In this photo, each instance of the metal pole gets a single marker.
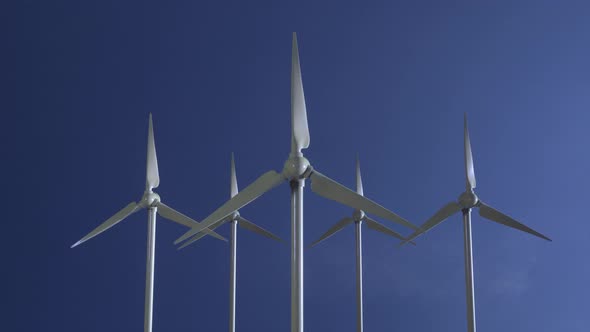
(297, 255)
(359, 277)
(149, 273)
(469, 271)
(232, 277)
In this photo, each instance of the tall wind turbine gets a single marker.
(467, 201)
(296, 169)
(358, 216)
(150, 201)
(234, 219)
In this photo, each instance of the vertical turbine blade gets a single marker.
(359, 180)
(300, 131)
(152, 175)
(469, 171)
(234, 180)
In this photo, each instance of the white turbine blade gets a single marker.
(359, 180)
(440, 216)
(469, 170)
(333, 230)
(492, 214)
(243, 222)
(192, 240)
(233, 179)
(330, 189)
(200, 235)
(300, 130)
(152, 175)
(119, 216)
(171, 214)
(374, 225)
(263, 184)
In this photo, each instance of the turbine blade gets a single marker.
(244, 223)
(171, 214)
(359, 180)
(200, 235)
(469, 170)
(152, 175)
(492, 214)
(333, 230)
(233, 179)
(300, 131)
(374, 225)
(112, 221)
(440, 216)
(192, 240)
(263, 184)
(330, 189)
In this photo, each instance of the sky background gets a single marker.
(387, 79)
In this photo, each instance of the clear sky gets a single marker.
(387, 79)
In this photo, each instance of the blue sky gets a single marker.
(389, 80)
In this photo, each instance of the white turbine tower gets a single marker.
(358, 217)
(467, 201)
(296, 169)
(235, 219)
(150, 201)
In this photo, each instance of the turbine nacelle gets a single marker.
(234, 216)
(468, 200)
(150, 199)
(296, 167)
(358, 215)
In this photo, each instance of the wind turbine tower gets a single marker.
(152, 202)
(467, 201)
(234, 219)
(358, 217)
(296, 170)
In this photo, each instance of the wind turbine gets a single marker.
(467, 201)
(235, 219)
(358, 216)
(296, 169)
(150, 201)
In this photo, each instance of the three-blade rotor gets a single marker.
(234, 216)
(469, 200)
(358, 216)
(296, 167)
(149, 199)
(152, 174)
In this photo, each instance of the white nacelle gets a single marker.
(468, 199)
(295, 167)
(150, 199)
(358, 215)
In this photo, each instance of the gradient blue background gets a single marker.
(390, 80)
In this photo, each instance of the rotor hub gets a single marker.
(151, 199)
(358, 215)
(468, 199)
(234, 215)
(295, 167)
